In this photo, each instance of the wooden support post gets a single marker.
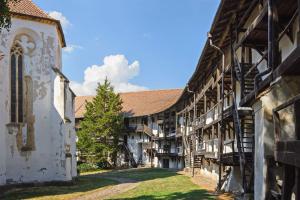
(288, 182)
(297, 131)
(243, 71)
(297, 183)
(273, 34)
(297, 119)
(205, 105)
(298, 34)
(194, 132)
(151, 152)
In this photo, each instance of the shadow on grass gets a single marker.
(82, 185)
(90, 182)
(141, 174)
(191, 195)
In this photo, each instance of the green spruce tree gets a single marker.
(5, 17)
(99, 132)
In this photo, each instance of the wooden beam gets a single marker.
(298, 34)
(247, 13)
(273, 34)
(254, 24)
(297, 119)
(288, 182)
(242, 71)
(297, 183)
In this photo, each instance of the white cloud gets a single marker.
(59, 16)
(117, 70)
(72, 47)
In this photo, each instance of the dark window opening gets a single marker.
(16, 87)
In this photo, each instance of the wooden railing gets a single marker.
(209, 147)
(214, 113)
(142, 128)
(229, 146)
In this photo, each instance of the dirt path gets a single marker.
(209, 185)
(123, 186)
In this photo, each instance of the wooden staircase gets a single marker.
(187, 158)
(244, 129)
(130, 156)
(197, 161)
(245, 74)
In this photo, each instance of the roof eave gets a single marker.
(41, 19)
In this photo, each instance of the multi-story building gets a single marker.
(241, 103)
(237, 120)
(150, 137)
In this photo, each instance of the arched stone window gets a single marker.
(16, 86)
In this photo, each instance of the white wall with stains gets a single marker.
(42, 148)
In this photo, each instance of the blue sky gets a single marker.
(161, 39)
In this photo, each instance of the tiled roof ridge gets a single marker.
(155, 90)
(140, 103)
(36, 12)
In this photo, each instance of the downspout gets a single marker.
(222, 110)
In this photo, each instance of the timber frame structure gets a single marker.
(238, 118)
(252, 46)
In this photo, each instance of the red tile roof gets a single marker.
(137, 104)
(27, 9)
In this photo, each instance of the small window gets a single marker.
(16, 86)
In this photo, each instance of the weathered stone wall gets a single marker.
(35, 150)
(284, 89)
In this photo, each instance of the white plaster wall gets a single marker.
(70, 134)
(286, 46)
(46, 162)
(2, 125)
(212, 174)
(234, 181)
(134, 146)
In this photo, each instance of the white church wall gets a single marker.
(35, 150)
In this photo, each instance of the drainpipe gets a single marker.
(194, 117)
(222, 110)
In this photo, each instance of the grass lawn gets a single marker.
(153, 184)
(84, 185)
(161, 184)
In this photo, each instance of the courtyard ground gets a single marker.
(132, 184)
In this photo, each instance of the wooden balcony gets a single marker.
(230, 155)
(208, 149)
(166, 152)
(141, 128)
(213, 115)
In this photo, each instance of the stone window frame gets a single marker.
(17, 84)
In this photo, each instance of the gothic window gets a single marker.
(16, 86)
